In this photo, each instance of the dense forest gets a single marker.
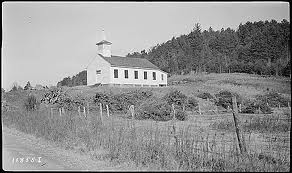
(261, 47)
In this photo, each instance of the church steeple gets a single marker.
(104, 46)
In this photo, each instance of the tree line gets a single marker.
(261, 47)
(76, 80)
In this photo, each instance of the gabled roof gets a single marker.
(103, 42)
(119, 61)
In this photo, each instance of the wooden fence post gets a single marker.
(216, 109)
(200, 112)
(60, 111)
(79, 111)
(132, 111)
(87, 108)
(63, 110)
(173, 110)
(240, 108)
(84, 111)
(239, 137)
(107, 110)
(100, 108)
(259, 110)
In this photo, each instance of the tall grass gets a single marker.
(155, 147)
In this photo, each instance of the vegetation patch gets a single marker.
(256, 107)
(273, 99)
(224, 99)
(31, 103)
(205, 95)
(154, 108)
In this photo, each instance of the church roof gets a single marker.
(103, 42)
(119, 61)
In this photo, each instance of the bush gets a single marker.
(191, 103)
(181, 115)
(273, 99)
(205, 96)
(101, 98)
(121, 102)
(253, 107)
(31, 103)
(224, 99)
(175, 97)
(154, 108)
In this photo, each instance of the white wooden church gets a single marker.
(108, 69)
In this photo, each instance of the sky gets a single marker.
(43, 42)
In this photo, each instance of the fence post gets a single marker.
(51, 111)
(100, 108)
(173, 110)
(200, 112)
(240, 108)
(259, 110)
(289, 105)
(60, 111)
(63, 110)
(87, 108)
(216, 109)
(107, 110)
(84, 111)
(279, 106)
(239, 139)
(79, 111)
(132, 111)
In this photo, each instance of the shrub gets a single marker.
(101, 98)
(175, 97)
(205, 96)
(273, 99)
(191, 103)
(121, 102)
(224, 99)
(31, 103)
(253, 107)
(154, 108)
(181, 115)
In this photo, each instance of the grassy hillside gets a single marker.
(246, 85)
(204, 142)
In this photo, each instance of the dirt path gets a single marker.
(25, 152)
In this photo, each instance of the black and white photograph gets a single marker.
(146, 86)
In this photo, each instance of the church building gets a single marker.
(108, 69)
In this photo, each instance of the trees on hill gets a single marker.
(79, 79)
(261, 47)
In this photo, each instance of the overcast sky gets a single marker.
(45, 42)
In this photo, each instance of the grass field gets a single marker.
(202, 143)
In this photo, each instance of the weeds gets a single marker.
(161, 146)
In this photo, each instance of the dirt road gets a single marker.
(21, 151)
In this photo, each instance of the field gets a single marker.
(204, 142)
